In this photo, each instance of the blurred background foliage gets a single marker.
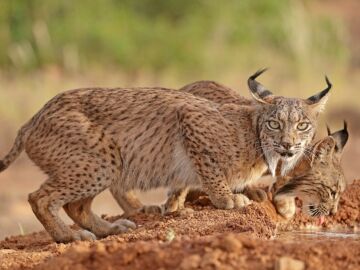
(189, 36)
(49, 46)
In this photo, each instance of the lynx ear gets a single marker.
(318, 101)
(341, 137)
(257, 90)
(323, 149)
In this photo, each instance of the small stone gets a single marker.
(287, 263)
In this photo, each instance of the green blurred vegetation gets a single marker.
(50, 46)
(188, 37)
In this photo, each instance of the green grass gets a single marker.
(190, 36)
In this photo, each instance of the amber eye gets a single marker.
(303, 126)
(273, 124)
(333, 194)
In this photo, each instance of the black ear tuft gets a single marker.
(316, 98)
(328, 130)
(259, 92)
(341, 137)
(345, 126)
(258, 73)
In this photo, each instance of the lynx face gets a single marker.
(324, 181)
(285, 130)
(286, 126)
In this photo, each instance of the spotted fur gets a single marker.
(223, 95)
(318, 179)
(87, 140)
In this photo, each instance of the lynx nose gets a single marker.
(286, 145)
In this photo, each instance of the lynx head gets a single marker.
(286, 126)
(323, 180)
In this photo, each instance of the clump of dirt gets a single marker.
(225, 251)
(205, 238)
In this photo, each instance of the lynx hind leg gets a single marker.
(285, 205)
(80, 212)
(130, 204)
(176, 201)
(45, 203)
(128, 201)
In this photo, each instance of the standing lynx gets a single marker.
(309, 176)
(88, 140)
(317, 178)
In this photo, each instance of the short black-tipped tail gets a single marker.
(16, 150)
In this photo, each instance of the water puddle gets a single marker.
(318, 235)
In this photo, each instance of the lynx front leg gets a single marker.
(222, 197)
(209, 144)
(214, 183)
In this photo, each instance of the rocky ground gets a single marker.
(205, 238)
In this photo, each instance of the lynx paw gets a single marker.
(234, 201)
(240, 200)
(223, 203)
(121, 226)
(185, 212)
(285, 206)
(85, 235)
(71, 236)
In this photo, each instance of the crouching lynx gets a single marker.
(309, 176)
(318, 179)
(88, 140)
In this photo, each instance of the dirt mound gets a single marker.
(226, 251)
(28, 251)
(205, 238)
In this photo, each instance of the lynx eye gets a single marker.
(333, 194)
(273, 124)
(303, 126)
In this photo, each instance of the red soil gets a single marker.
(203, 239)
